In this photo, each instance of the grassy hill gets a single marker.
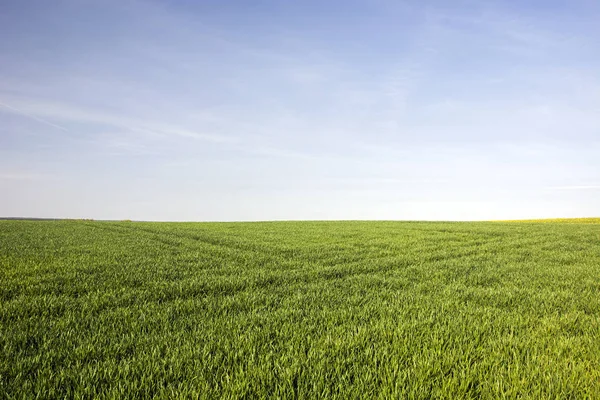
(300, 309)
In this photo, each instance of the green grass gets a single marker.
(299, 309)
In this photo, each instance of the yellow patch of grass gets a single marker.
(556, 220)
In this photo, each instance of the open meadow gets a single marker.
(92, 309)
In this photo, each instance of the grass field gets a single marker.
(299, 309)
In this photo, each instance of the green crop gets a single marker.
(359, 310)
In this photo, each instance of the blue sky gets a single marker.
(238, 110)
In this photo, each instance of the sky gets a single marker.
(182, 110)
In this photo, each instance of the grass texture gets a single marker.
(299, 310)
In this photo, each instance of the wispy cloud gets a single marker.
(21, 176)
(33, 109)
(31, 116)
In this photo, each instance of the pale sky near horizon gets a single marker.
(269, 110)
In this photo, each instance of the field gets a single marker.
(299, 310)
